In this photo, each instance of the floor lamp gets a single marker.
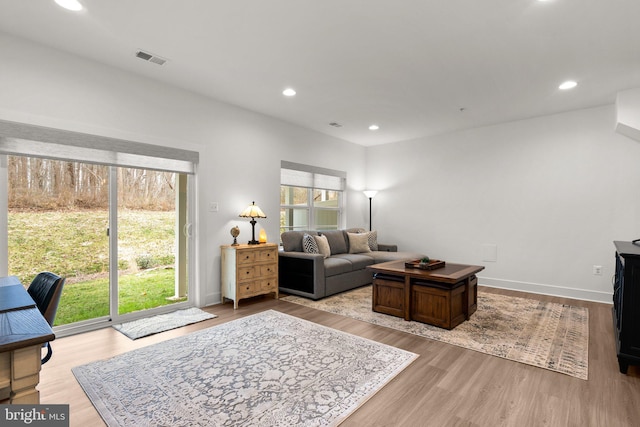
(370, 194)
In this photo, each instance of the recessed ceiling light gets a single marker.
(374, 127)
(289, 92)
(70, 4)
(569, 84)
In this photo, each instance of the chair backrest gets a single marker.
(45, 290)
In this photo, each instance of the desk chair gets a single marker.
(45, 290)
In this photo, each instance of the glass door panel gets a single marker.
(149, 236)
(57, 221)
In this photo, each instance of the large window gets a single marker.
(310, 197)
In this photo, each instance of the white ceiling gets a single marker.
(414, 67)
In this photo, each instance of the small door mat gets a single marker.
(163, 322)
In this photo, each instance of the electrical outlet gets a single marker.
(597, 270)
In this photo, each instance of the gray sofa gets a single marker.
(313, 276)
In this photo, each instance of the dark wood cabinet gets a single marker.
(443, 297)
(626, 304)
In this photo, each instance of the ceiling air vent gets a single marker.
(150, 57)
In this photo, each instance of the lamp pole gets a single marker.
(370, 194)
(370, 219)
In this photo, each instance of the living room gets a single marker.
(549, 191)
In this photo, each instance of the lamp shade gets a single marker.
(370, 193)
(252, 211)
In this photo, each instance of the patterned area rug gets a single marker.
(162, 322)
(269, 369)
(548, 335)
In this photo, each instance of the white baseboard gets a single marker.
(213, 298)
(538, 288)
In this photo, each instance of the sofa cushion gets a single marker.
(358, 261)
(356, 230)
(323, 245)
(337, 241)
(336, 265)
(309, 245)
(358, 243)
(292, 240)
(373, 236)
(373, 240)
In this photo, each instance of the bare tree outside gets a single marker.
(43, 185)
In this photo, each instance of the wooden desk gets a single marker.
(23, 330)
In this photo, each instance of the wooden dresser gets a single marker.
(248, 270)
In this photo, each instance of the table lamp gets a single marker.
(253, 212)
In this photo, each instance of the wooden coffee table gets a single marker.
(443, 297)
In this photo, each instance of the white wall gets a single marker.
(240, 151)
(628, 113)
(551, 192)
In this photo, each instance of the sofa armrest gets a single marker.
(387, 248)
(301, 274)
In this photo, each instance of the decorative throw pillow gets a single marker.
(337, 241)
(373, 240)
(358, 243)
(309, 245)
(323, 245)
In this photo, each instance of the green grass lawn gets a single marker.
(75, 244)
(138, 291)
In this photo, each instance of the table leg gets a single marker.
(24, 369)
(465, 298)
(407, 298)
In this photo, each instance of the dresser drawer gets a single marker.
(248, 289)
(269, 285)
(265, 255)
(268, 270)
(246, 257)
(247, 273)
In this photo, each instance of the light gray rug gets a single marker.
(162, 322)
(268, 369)
(543, 334)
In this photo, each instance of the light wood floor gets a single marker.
(445, 386)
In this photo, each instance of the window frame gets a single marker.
(21, 139)
(312, 179)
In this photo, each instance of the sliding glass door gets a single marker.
(117, 234)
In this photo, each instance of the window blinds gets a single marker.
(35, 141)
(299, 175)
